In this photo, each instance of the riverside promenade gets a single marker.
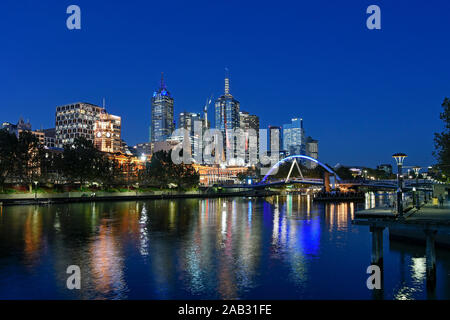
(430, 215)
(428, 225)
(68, 197)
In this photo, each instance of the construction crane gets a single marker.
(205, 110)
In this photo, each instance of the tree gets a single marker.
(251, 172)
(27, 158)
(158, 169)
(442, 140)
(110, 171)
(81, 161)
(48, 165)
(161, 171)
(344, 173)
(8, 145)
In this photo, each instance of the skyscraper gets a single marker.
(194, 125)
(76, 120)
(294, 137)
(162, 124)
(186, 121)
(275, 130)
(249, 122)
(312, 150)
(227, 111)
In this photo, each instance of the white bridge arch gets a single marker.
(295, 157)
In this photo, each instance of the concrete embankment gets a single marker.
(68, 197)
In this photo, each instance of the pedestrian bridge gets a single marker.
(420, 184)
(294, 158)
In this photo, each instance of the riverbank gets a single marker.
(428, 215)
(69, 197)
(411, 228)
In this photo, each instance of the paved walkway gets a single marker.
(375, 212)
(427, 212)
(411, 228)
(432, 212)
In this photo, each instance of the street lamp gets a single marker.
(35, 190)
(399, 158)
(416, 192)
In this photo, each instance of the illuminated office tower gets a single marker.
(275, 131)
(191, 121)
(249, 122)
(312, 150)
(162, 124)
(294, 137)
(227, 118)
(186, 121)
(227, 110)
(76, 120)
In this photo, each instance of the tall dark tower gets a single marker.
(162, 124)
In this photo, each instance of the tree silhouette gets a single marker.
(442, 140)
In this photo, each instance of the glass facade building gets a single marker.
(275, 130)
(249, 122)
(227, 111)
(194, 124)
(294, 137)
(162, 124)
(186, 121)
(312, 150)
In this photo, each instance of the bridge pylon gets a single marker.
(326, 181)
(294, 163)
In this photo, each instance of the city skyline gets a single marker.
(228, 158)
(348, 108)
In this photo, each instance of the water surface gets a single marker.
(231, 248)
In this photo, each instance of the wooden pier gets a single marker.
(424, 225)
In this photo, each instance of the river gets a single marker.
(279, 247)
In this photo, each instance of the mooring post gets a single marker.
(431, 257)
(377, 245)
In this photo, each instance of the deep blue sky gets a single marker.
(364, 94)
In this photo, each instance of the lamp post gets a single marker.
(399, 158)
(416, 194)
(424, 175)
(35, 190)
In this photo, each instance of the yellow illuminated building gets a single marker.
(107, 132)
(216, 174)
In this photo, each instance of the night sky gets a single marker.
(364, 94)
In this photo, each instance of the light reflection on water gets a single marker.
(281, 247)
